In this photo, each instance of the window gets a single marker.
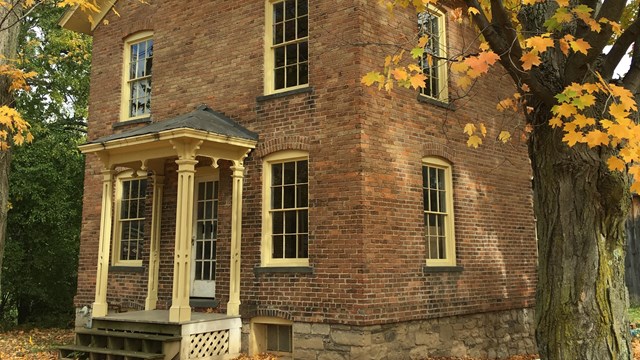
(432, 24)
(437, 194)
(272, 335)
(287, 45)
(136, 89)
(286, 209)
(129, 222)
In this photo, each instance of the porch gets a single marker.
(150, 334)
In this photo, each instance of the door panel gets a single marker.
(205, 235)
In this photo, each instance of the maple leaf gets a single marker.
(614, 163)
(624, 96)
(596, 137)
(459, 67)
(572, 137)
(555, 122)
(414, 68)
(422, 42)
(477, 64)
(580, 45)
(504, 136)
(400, 74)
(525, 88)
(483, 130)
(617, 111)
(582, 121)
(418, 81)
(473, 11)
(463, 82)
(372, 77)
(469, 129)
(489, 57)
(474, 141)
(565, 110)
(584, 101)
(417, 52)
(635, 187)
(529, 60)
(539, 43)
(505, 104)
(563, 2)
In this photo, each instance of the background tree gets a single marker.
(584, 142)
(46, 176)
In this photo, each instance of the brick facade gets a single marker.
(366, 244)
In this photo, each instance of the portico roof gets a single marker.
(218, 136)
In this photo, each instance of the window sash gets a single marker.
(438, 213)
(431, 23)
(288, 46)
(138, 70)
(130, 220)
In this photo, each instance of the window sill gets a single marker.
(283, 270)
(428, 100)
(284, 94)
(122, 269)
(120, 124)
(441, 269)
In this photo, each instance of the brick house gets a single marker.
(248, 193)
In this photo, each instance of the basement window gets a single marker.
(272, 335)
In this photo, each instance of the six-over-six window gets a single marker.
(437, 196)
(130, 217)
(136, 90)
(287, 52)
(431, 23)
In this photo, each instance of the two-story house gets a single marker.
(245, 192)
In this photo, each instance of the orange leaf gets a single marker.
(555, 122)
(615, 163)
(596, 137)
(618, 112)
(580, 46)
(572, 137)
(539, 43)
(418, 81)
(529, 60)
(489, 57)
(483, 130)
(565, 110)
(399, 74)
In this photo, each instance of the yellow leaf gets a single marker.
(463, 82)
(529, 60)
(539, 43)
(580, 45)
(387, 61)
(614, 163)
(456, 15)
(483, 130)
(473, 11)
(504, 136)
(564, 3)
(635, 187)
(469, 129)
(565, 110)
(474, 141)
(422, 42)
(596, 137)
(459, 67)
(572, 137)
(617, 111)
(582, 121)
(484, 46)
(414, 68)
(399, 74)
(418, 81)
(555, 122)
(372, 77)
(505, 104)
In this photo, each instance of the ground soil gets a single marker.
(40, 344)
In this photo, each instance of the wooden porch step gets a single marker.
(129, 335)
(126, 354)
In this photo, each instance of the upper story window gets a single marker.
(138, 66)
(285, 222)
(287, 45)
(129, 219)
(437, 194)
(433, 61)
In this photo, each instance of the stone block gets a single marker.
(419, 353)
(309, 342)
(302, 328)
(353, 338)
(305, 354)
(320, 329)
(331, 355)
(375, 352)
(429, 339)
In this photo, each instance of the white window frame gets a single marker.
(269, 51)
(258, 335)
(450, 237)
(125, 88)
(117, 227)
(267, 241)
(443, 72)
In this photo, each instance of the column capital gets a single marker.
(186, 165)
(187, 148)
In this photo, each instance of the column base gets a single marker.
(99, 309)
(233, 308)
(180, 313)
(150, 304)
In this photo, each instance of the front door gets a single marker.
(205, 235)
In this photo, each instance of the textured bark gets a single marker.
(8, 44)
(581, 209)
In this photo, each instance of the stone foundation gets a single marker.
(493, 335)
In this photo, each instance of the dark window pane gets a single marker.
(303, 51)
(124, 209)
(443, 201)
(290, 173)
(302, 7)
(290, 246)
(124, 251)
(207, 250)
(279, 78)
(276, 174)
(290, 222)
(278, 223)
(215, 190)
(198, 270)
(278, 12)
(302, 199)
(199, 250)
(303, 221)
(304, 74)
(443, 248)
(284, 338)
(425, 199)
(292, 75)
(278, 34)
(277, 247)
(279, 56)
(200, 210)
(433, 195)
(290, 9)
(201, 191)
(290, 30)
(303, 27)
(292, 54)
(206, 271)
(272, 337)
(302, 171)
(289, 196)
(303, 246)
(276, 198)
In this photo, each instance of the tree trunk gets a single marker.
(8, 45)
(581, 209)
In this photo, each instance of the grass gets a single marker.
(634, 314)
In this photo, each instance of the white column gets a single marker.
(100, 306)
(180, 310)
(233, 306)
(154, 251)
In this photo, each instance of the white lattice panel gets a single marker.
(209, 344)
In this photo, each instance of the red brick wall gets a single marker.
(365, 149)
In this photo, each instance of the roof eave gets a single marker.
(76, 19)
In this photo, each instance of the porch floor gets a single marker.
(162, 317)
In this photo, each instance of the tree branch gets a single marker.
(632, 80)
(619, 49)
